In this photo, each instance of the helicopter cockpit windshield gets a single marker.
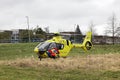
(44, 46)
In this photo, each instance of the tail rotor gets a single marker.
(87, 43)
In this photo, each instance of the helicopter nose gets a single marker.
(36, 50)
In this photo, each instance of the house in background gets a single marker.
(97, 39)
(15, 36)
(19, 35)
(12, 36)
(105, 40)
(72, 36)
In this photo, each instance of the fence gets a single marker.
(20, 40)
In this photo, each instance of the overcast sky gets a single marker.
(59, 15)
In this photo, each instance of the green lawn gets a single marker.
(14, 52)
(19, 50)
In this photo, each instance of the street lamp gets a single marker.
(28, 28)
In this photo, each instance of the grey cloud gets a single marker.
(56, 11)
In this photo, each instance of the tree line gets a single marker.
(112, 29)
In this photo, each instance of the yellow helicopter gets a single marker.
(59, 47)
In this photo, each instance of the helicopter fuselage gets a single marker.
(64, 46)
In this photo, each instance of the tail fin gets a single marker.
(87, 43)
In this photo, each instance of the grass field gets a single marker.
(19, 62)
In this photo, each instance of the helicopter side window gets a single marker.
(60, 46)
(67, 42)
(51, 46)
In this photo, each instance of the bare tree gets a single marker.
(118, 31)
(92, 28)
(112, 28)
